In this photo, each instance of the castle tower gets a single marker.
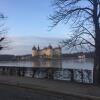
(34, 52)
(38, 48)
(50, 47)
(49, 52)
(38, 51)
(57, 51)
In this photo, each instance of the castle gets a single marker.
(47, 52)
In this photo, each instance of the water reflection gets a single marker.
(78, 75)
(66, 63)
(47, 63)
(80, 70)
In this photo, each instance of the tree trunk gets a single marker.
(97, 59)
(96, 71)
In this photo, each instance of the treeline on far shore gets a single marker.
(75, 55)
(7, 57)
(29, 56)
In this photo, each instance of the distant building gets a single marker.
(47, 52)
(81, 56)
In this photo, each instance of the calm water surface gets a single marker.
(80, 70)
(67, 63)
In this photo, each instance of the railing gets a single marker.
(77, 75)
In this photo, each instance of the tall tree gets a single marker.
(84, 16)
(2, 32)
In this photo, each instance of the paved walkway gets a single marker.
(60, 87)
(16, 93)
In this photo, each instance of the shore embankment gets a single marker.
(73, 91)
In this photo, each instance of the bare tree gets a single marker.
(2, 32)
(84, 16)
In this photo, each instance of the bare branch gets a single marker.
(87, 42)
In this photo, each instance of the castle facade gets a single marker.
(47, 52)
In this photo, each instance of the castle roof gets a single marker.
(34, 48)
(50, 47)
(58, 47)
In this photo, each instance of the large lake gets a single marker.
(67, 63)
(80, 70)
